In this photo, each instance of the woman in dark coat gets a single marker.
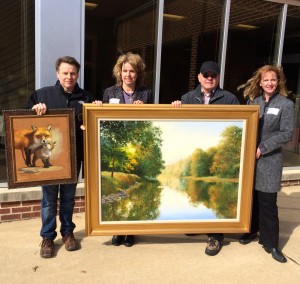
(129, 72)
(276, 114)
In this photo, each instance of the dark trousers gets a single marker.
(265, 218)
(219, 237)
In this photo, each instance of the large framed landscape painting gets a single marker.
(156, 169)
(40, 150)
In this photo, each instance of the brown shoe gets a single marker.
(47, 248)
(70, 242)
(213, 247)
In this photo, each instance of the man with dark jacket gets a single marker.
(209, 92)
(64, 94)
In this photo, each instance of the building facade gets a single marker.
(173, 36)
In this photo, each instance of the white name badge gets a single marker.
(114, 101)
(273, 110)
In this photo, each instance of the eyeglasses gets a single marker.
(207, 75)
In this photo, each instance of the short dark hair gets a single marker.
(67, 59)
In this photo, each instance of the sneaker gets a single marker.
(70, 242)
(213, 247)
(47, 248)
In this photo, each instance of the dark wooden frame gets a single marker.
(63, 123)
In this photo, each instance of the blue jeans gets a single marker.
(49, 209)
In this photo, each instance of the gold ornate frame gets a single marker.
(93, 114)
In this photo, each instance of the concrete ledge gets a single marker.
(29, 193)
(291, 174)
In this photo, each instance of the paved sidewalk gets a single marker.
(154, 259)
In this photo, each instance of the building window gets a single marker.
(291, 67)
(17, 70)
(251, 40)
(113, 28)
(191, 35)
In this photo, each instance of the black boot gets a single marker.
(276, 254)
(117, 240)
(247, 238)
(129, 241)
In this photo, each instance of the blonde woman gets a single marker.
(129, 72)
(267, 89)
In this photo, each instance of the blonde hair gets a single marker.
(252, 88)
(137, 64)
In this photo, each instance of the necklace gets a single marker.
(129, 96)
(129, 93)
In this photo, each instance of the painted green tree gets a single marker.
(201, 162)
(131, 147)
(226, 162)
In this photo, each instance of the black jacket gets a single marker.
(141, 93)
(220, 97)
(54, 97)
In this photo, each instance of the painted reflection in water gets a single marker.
(179, 199)
(141, 179)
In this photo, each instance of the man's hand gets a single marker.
(176, 104)
(40, 108)
(98, 103)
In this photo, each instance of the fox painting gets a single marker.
(44, 153)
(28, 140)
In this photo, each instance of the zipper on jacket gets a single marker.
(199, 99)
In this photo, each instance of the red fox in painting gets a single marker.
(28, 140)
(44, 153)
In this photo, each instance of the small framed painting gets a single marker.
(40, 150)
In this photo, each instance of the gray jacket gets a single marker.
(275, 129)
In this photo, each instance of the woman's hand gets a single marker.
(258, 153)
(176, 104)
(138, 102)
(40, 108)
(98, 103)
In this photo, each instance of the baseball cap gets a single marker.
(210, 66)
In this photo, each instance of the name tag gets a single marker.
(114, 101)
(273, 110)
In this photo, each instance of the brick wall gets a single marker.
(21, 210)
(24, 204)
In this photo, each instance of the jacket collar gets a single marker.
(215, 93)
(270, 98)
(76, 91)
(119, 94)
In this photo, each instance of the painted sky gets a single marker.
(181, 138)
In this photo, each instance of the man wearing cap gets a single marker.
(209, 92)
